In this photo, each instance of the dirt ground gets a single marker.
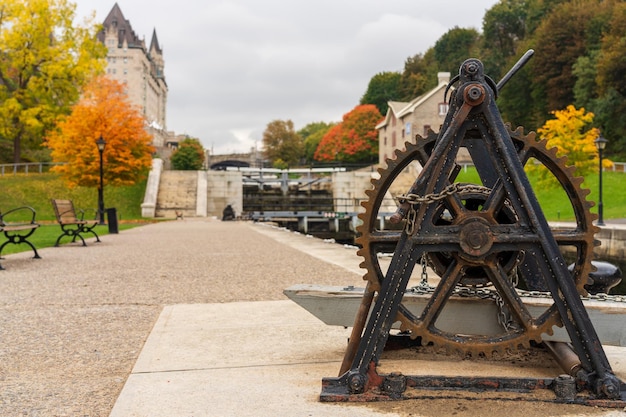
(534, 362)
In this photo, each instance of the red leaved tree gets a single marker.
(355, 139)
(103, 111)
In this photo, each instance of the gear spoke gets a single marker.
(509, 295)
(440, 295)
(477, 240)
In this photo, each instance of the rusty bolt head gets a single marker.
(474, 94)
(356, 382)
(471, 67)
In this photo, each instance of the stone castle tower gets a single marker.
(141, 69)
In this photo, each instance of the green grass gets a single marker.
(36, 190)
(555, 203)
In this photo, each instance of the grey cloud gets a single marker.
(234, 66)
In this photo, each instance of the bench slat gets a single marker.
(18, 227)
(72, 225)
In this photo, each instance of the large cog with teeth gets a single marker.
(575, 240)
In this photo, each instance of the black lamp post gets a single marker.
(600, 145)
(101, 144)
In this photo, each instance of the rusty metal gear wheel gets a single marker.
(462, 268)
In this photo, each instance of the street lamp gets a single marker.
(600, 145)
(101, 144)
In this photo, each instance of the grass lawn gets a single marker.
(555, 203)
(47, 234)
(36, 190)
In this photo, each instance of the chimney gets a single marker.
(443, 77)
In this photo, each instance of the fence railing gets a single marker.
(40, 167)
(27, 168)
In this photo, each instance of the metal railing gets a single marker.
(27, 168)
(285, 204)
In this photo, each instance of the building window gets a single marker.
(393, 140)
(385, 141)
(426, 129)
(443, 109)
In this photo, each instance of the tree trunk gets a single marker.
(17, 147)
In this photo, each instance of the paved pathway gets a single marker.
(73, 323)
(182, 318)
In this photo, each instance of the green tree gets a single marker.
(189, 156)
(504, 26)
(312, 135)
(282, 142)
(419, 76)
(45, 60)
(610, 110)
(585, 88)
(561, 39)
(454, 47)
(383, 87)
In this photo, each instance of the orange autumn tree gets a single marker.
(355, 139)
(103, 111)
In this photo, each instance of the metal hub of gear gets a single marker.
(473, 259)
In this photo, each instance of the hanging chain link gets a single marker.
(433, 197)
(414, 199)
(504, 317)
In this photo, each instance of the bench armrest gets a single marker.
(18, 211)
(90, 210)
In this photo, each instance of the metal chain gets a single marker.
(448, 191)
(414, 199)
(424, 269)
(486, 293)
(504, 316)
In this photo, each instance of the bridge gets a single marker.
(222, 161)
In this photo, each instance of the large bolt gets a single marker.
(356, 382)
(565, 388)
(471, 67)
(474, 94)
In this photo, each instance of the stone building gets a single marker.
(140, 68)
(405, 120)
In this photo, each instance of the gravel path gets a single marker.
(73, 323)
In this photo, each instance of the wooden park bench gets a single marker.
(72, 221)
(16, 229)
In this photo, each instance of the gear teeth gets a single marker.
(507, 341)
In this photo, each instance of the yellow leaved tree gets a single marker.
(45, 59)
(103, 111)
(571, 133)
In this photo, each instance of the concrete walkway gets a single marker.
(220, 338)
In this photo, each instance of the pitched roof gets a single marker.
(401, 109)
(393, 107)
(125, 33)
(154, 43)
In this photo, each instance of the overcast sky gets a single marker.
(234, 66)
